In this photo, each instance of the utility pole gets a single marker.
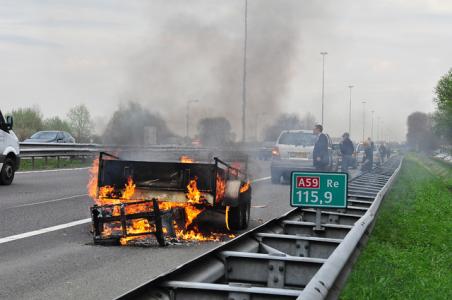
(244, 74)
(323, 84)
(364, 118)
(350, 111)
(372, 126)
(187, 117)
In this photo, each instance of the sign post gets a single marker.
(318, 190)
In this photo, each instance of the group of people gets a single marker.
(348, 149)
(321, 155)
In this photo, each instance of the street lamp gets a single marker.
(350, 111)
(244, 74)
(187, 117)
(364, 117)
(372, 126)
(323, 82)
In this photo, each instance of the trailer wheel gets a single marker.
(245, 198)
(235, 217)
(7, 172)
(239, 216)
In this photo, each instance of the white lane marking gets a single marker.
(260, 179)
(42, 231)
(63, 226)
(48, 201)
(53, 170)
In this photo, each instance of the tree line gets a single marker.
(133, 124)
(428, 131)
(77, 122)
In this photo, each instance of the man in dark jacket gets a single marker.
(347, 150)
(368, 159)
(320, 154)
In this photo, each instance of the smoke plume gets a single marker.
(199, 56)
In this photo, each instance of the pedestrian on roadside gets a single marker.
(320, 154)
(388, 152)
(368, 158)
(382, 151)
(347, 149)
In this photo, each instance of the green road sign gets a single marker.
(317, 189)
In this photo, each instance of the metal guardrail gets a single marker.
(35, 150)
(285, 258)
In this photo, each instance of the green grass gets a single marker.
(409, 254)
(52, 163)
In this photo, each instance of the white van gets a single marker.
(9, 151)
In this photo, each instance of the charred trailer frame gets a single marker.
(167, 182)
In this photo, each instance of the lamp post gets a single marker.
(187, 117)
(378, 128)
(372, 126)
(323, 83)
(244, 73)
(350, 111)
(364, 118)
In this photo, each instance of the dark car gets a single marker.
(50, 137)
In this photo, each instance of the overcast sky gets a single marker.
(56, 54)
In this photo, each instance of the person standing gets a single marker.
(347, 149)
(320, 154)
(382, 151)
(368, 158)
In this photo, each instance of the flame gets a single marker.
(226, 217)
(193, 194)
(195, 205)
(92, 183)
(245, 187)
(129, 189)
(186, 159)
(221, 188)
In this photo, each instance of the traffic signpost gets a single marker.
(318, 190)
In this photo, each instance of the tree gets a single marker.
(26, 122)
(443, 101)
(132, 124)
(283, 122)
(420, 135)
(215, 131)
(55, 123)
(80, 122)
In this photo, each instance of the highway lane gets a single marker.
(64, 264)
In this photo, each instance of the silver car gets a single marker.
(293, 152)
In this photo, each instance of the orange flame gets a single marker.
(92, 183)
(109, 195)
(221, 188)
(193, 194)
(245, 187)
(129, 189)
(186, 159)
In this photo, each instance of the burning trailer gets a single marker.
(142, 201)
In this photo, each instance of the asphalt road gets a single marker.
(64, 263)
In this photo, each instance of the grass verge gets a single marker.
(52, 163)
(409, 254)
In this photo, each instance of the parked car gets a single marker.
(9, 151)
(51, 137)
(359, 154)
(293, 152)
